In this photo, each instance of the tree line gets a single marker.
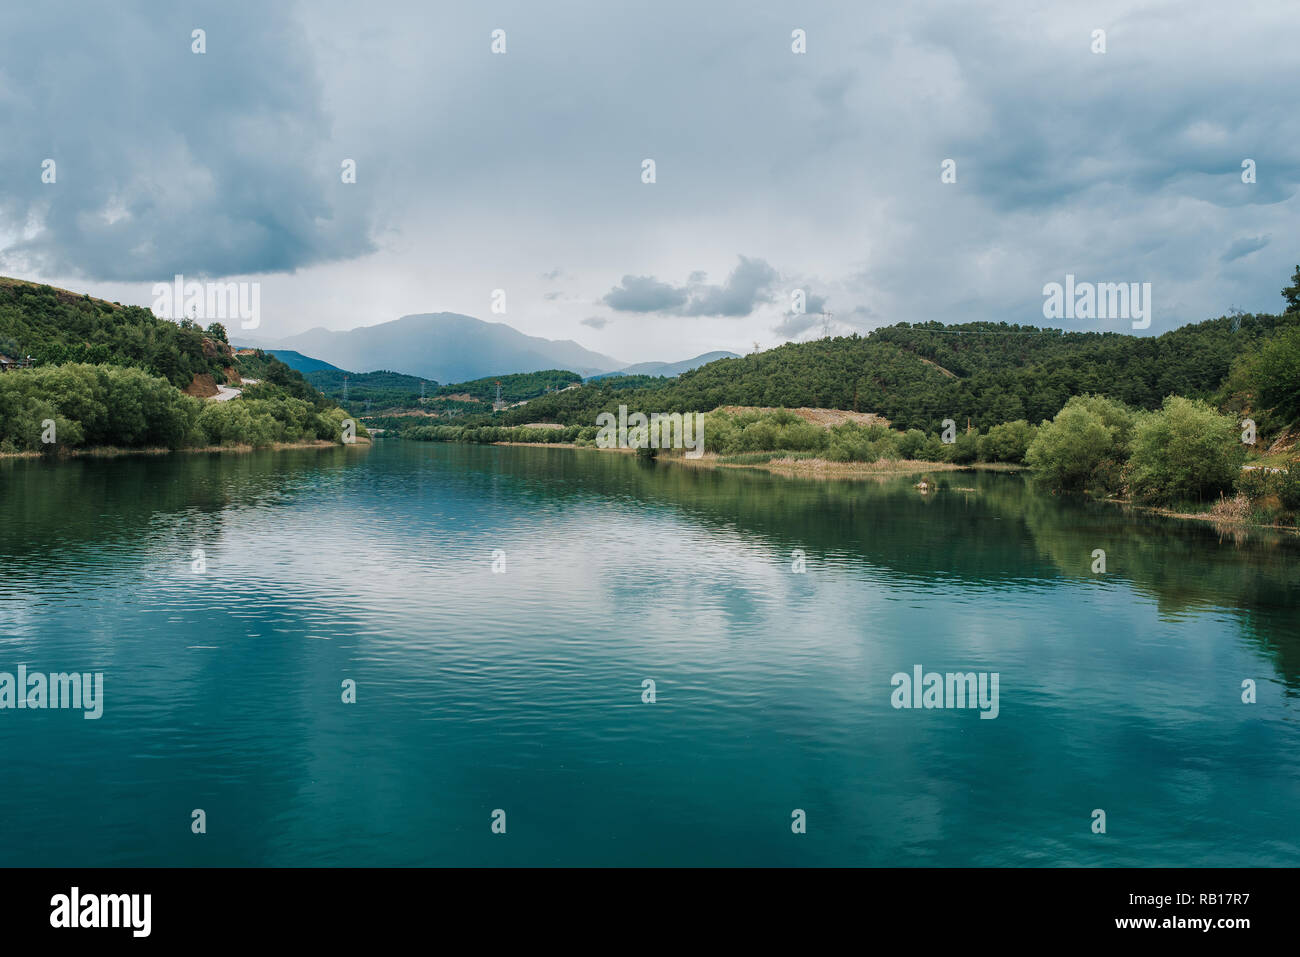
(112, 375)
(53, 409)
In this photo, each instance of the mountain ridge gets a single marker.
(445, 346)
(669, 369)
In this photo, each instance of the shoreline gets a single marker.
(1198, 516)
(787, 467)
(115, 451)
(802, 468)
(824, 469)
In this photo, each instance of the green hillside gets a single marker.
(375, 392)
(296, 360)
(105, 374)
(56, 326)
(918, 375)
(380, 390)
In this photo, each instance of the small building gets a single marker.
(7, 363)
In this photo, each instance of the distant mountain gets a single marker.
(443, 346)
(304, 364)
(668, 368)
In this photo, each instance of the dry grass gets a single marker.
(803, 468)
(1235, 509)
(1286, 442)
(824, 467)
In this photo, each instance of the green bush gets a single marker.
(106, 405)
(1185, 450)
(1255, 483)
(1259, 484)
(932, 450)
(910, 443)
(1084, 447)
(1289, 486)
(750, 431)
(965, 449)
(1007, 442)
(851, 442)
(1274, 376)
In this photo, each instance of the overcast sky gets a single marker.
(774, 170)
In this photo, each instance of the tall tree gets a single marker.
(1292, 293)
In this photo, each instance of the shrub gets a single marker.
(932, 450)
(1275, 375)
(1262, 484)
(1289, 486)
(1255, 483)
(1185, 450)
(94, 405)
(965, 449)
(1084, 446)
(910, 443)
(851, 442)
(761, 432)
(1007, 442)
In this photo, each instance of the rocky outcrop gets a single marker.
(203, 386)
(214, 348)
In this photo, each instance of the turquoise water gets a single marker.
(521, 690)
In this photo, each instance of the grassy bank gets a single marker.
(779, 462)
(1186, 457)
(1226, 513)
(113, 451)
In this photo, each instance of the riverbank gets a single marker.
(815, 468)
(1230, 518)
(818, 468)
(802, 467)
(111, 451)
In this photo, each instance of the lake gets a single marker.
(499, 609)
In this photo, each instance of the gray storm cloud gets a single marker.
(478, 171)
(166, 160)
(1244, 247)
(749, 285)
(645, 294)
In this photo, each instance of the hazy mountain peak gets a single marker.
(446, 346)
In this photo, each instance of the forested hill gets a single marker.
(104, 374)
(56, 327)
(917, 375)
